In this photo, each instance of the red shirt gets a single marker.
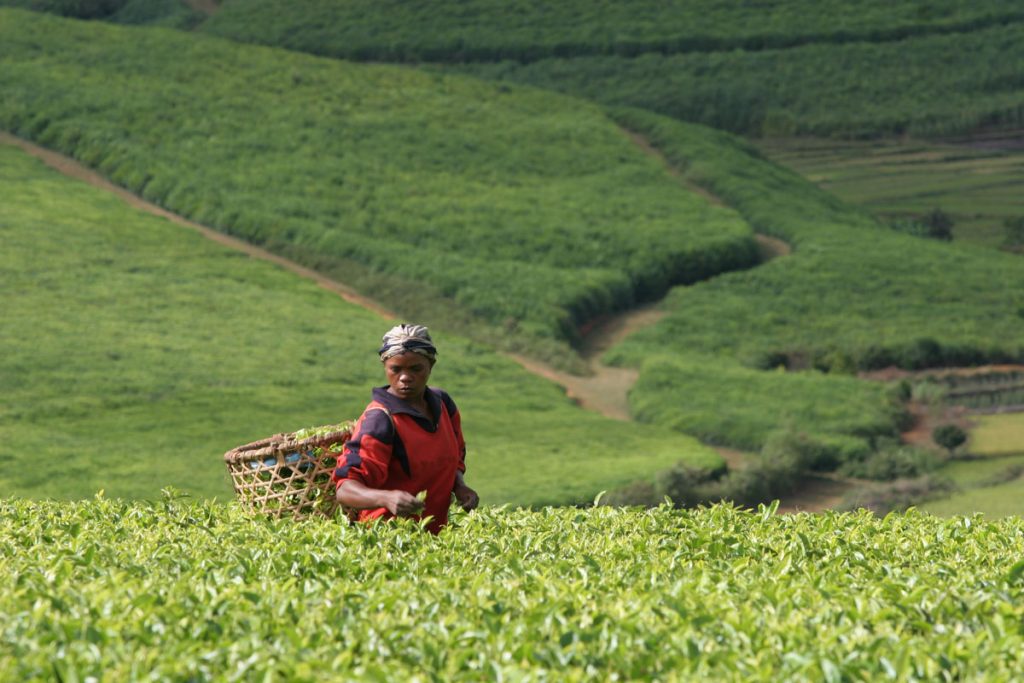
(395, 446)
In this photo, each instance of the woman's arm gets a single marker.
(358, 496)
(465, 496)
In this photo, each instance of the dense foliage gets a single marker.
(138, 352)
(795, 67)
(529, 211)
(180, 591)
(528, 30)
(853, 295)
(931, 85)
(82, 9)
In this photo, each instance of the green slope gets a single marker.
(527, 212)
(927, 86)
(790, 67)
(134, 353)
(528, 30)
(853, 295)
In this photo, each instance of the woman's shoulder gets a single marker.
(445, 398)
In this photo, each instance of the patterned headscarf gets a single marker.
(403, 338)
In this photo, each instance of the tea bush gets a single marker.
(176, 590)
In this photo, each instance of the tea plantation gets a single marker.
(515, 216)
(522, 171)
(171, 590)
(444, 196)
(136, 352)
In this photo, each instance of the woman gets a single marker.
(407, 441)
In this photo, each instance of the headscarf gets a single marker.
(403, 338)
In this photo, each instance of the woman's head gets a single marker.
(408, 355)
(407, 338)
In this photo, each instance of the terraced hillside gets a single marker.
(975, 181)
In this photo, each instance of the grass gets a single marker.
(853, 294)
(972, 473)
(978, 186)
(997, 435)
(1002, 500)
(139, 352)
(990, 485)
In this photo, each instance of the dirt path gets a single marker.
(76, 170)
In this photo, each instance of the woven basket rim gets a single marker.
(282, 443)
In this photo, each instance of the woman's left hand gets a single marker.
(466, 497)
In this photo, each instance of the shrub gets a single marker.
(898, 495)
(1014, 233)
(891, 461)
(640, 492)
(949, 436)
(938, 225)
(686, 486)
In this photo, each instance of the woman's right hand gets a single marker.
(403, 504)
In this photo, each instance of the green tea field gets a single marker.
(492, 210)
(174, 590)
(139, 352)
(730, 296)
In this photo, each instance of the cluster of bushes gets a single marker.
(899, 494)
(1014, 239)
(79, 9)
(891, 460)
(787, 456)
(906, 475)
(936, 225)
(855, 90)
(526, 31)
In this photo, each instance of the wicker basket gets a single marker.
(287, 476)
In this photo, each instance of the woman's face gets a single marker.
(407, 375)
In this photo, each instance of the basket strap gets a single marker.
(379, 406)
(374, 405)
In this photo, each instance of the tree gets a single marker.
(949, 437)
(1014, 233)
(939, 225)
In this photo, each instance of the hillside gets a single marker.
(493, 210)
(864, 69)
(401, 182)
(852, 295)
(139, 352)
(526, 30)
